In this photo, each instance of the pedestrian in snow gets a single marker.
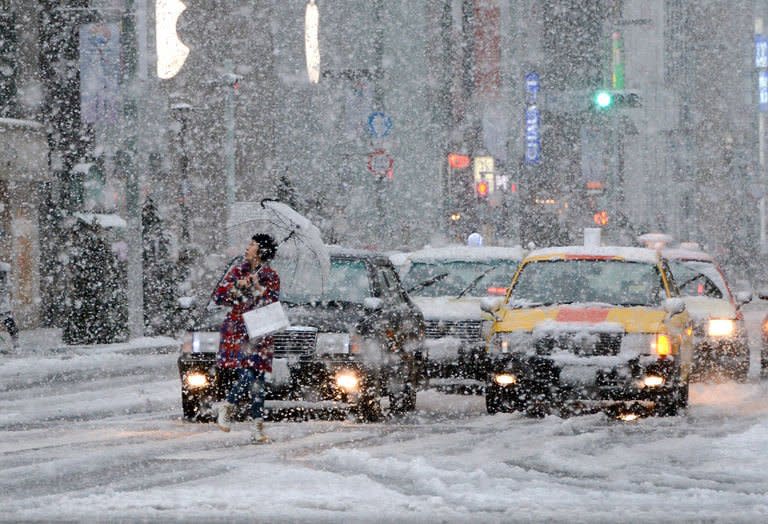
(248, 285)
(6, 314)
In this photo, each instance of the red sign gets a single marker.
(381, 163)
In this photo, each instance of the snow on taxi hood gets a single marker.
(449, 308)
(702, 308)
(593, 317)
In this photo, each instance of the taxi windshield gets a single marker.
(699, 278)
(614, 282)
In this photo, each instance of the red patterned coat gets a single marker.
(235, 349)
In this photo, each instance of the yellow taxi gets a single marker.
(590, 328)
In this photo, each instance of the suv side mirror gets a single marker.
(372, 303)
(674, 306)
(187, 302)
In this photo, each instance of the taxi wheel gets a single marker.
(492, 400)
(672, 402)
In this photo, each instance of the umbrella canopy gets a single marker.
(302, 260)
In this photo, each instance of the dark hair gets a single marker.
(267, 246)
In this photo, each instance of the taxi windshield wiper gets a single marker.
(474, 281)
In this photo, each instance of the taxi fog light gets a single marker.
(196, 379)
(505, 379)
(629, 417)
(349, 381)
(720, 327)
(653, 381)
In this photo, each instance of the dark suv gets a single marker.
(361, 340)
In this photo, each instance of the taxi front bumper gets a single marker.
(522, 380)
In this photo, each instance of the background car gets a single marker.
(359, 341)
(721, 346)
(588, 329)
(447, 284)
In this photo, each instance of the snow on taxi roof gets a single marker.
(631, 254)
(469, 253)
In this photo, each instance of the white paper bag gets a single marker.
(265, 320)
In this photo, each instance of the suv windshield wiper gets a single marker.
(427, 283)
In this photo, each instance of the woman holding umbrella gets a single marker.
(249, 285)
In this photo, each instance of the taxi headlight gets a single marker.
(196, 379)
(505, 379)
(721, 327)
(511, 342)
(653, 381)
(348, 380)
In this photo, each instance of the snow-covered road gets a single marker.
(95, 434)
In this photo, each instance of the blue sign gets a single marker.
(379, 124)
(532, 83)
(762, 91)
(532, 135)
(761, 51)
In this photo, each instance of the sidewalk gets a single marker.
(50, 340)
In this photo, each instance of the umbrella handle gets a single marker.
(288, 237)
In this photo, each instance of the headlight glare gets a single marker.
(721, 327)
(653, 381)
(505, 379)
(196, 379)
(661, 345)
(348, 380)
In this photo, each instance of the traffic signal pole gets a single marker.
(133, 34)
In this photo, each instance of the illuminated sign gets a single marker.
(311, 41)
(171, 52)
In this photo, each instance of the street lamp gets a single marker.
(180, 112)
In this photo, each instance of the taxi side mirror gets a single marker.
(743, 297)
(674, 306)
(491, 304)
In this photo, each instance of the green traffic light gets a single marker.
(603, 99)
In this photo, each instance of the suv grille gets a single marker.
(295, 342)
(584, 344)
(462, 329)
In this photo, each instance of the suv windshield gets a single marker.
(493, 275)
(347, 282)
(604, 281)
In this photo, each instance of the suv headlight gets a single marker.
(721, 327)
(333, 343)
(200, 342)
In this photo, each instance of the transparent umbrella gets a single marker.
(302, 259)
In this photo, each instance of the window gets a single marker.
(8, 60)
